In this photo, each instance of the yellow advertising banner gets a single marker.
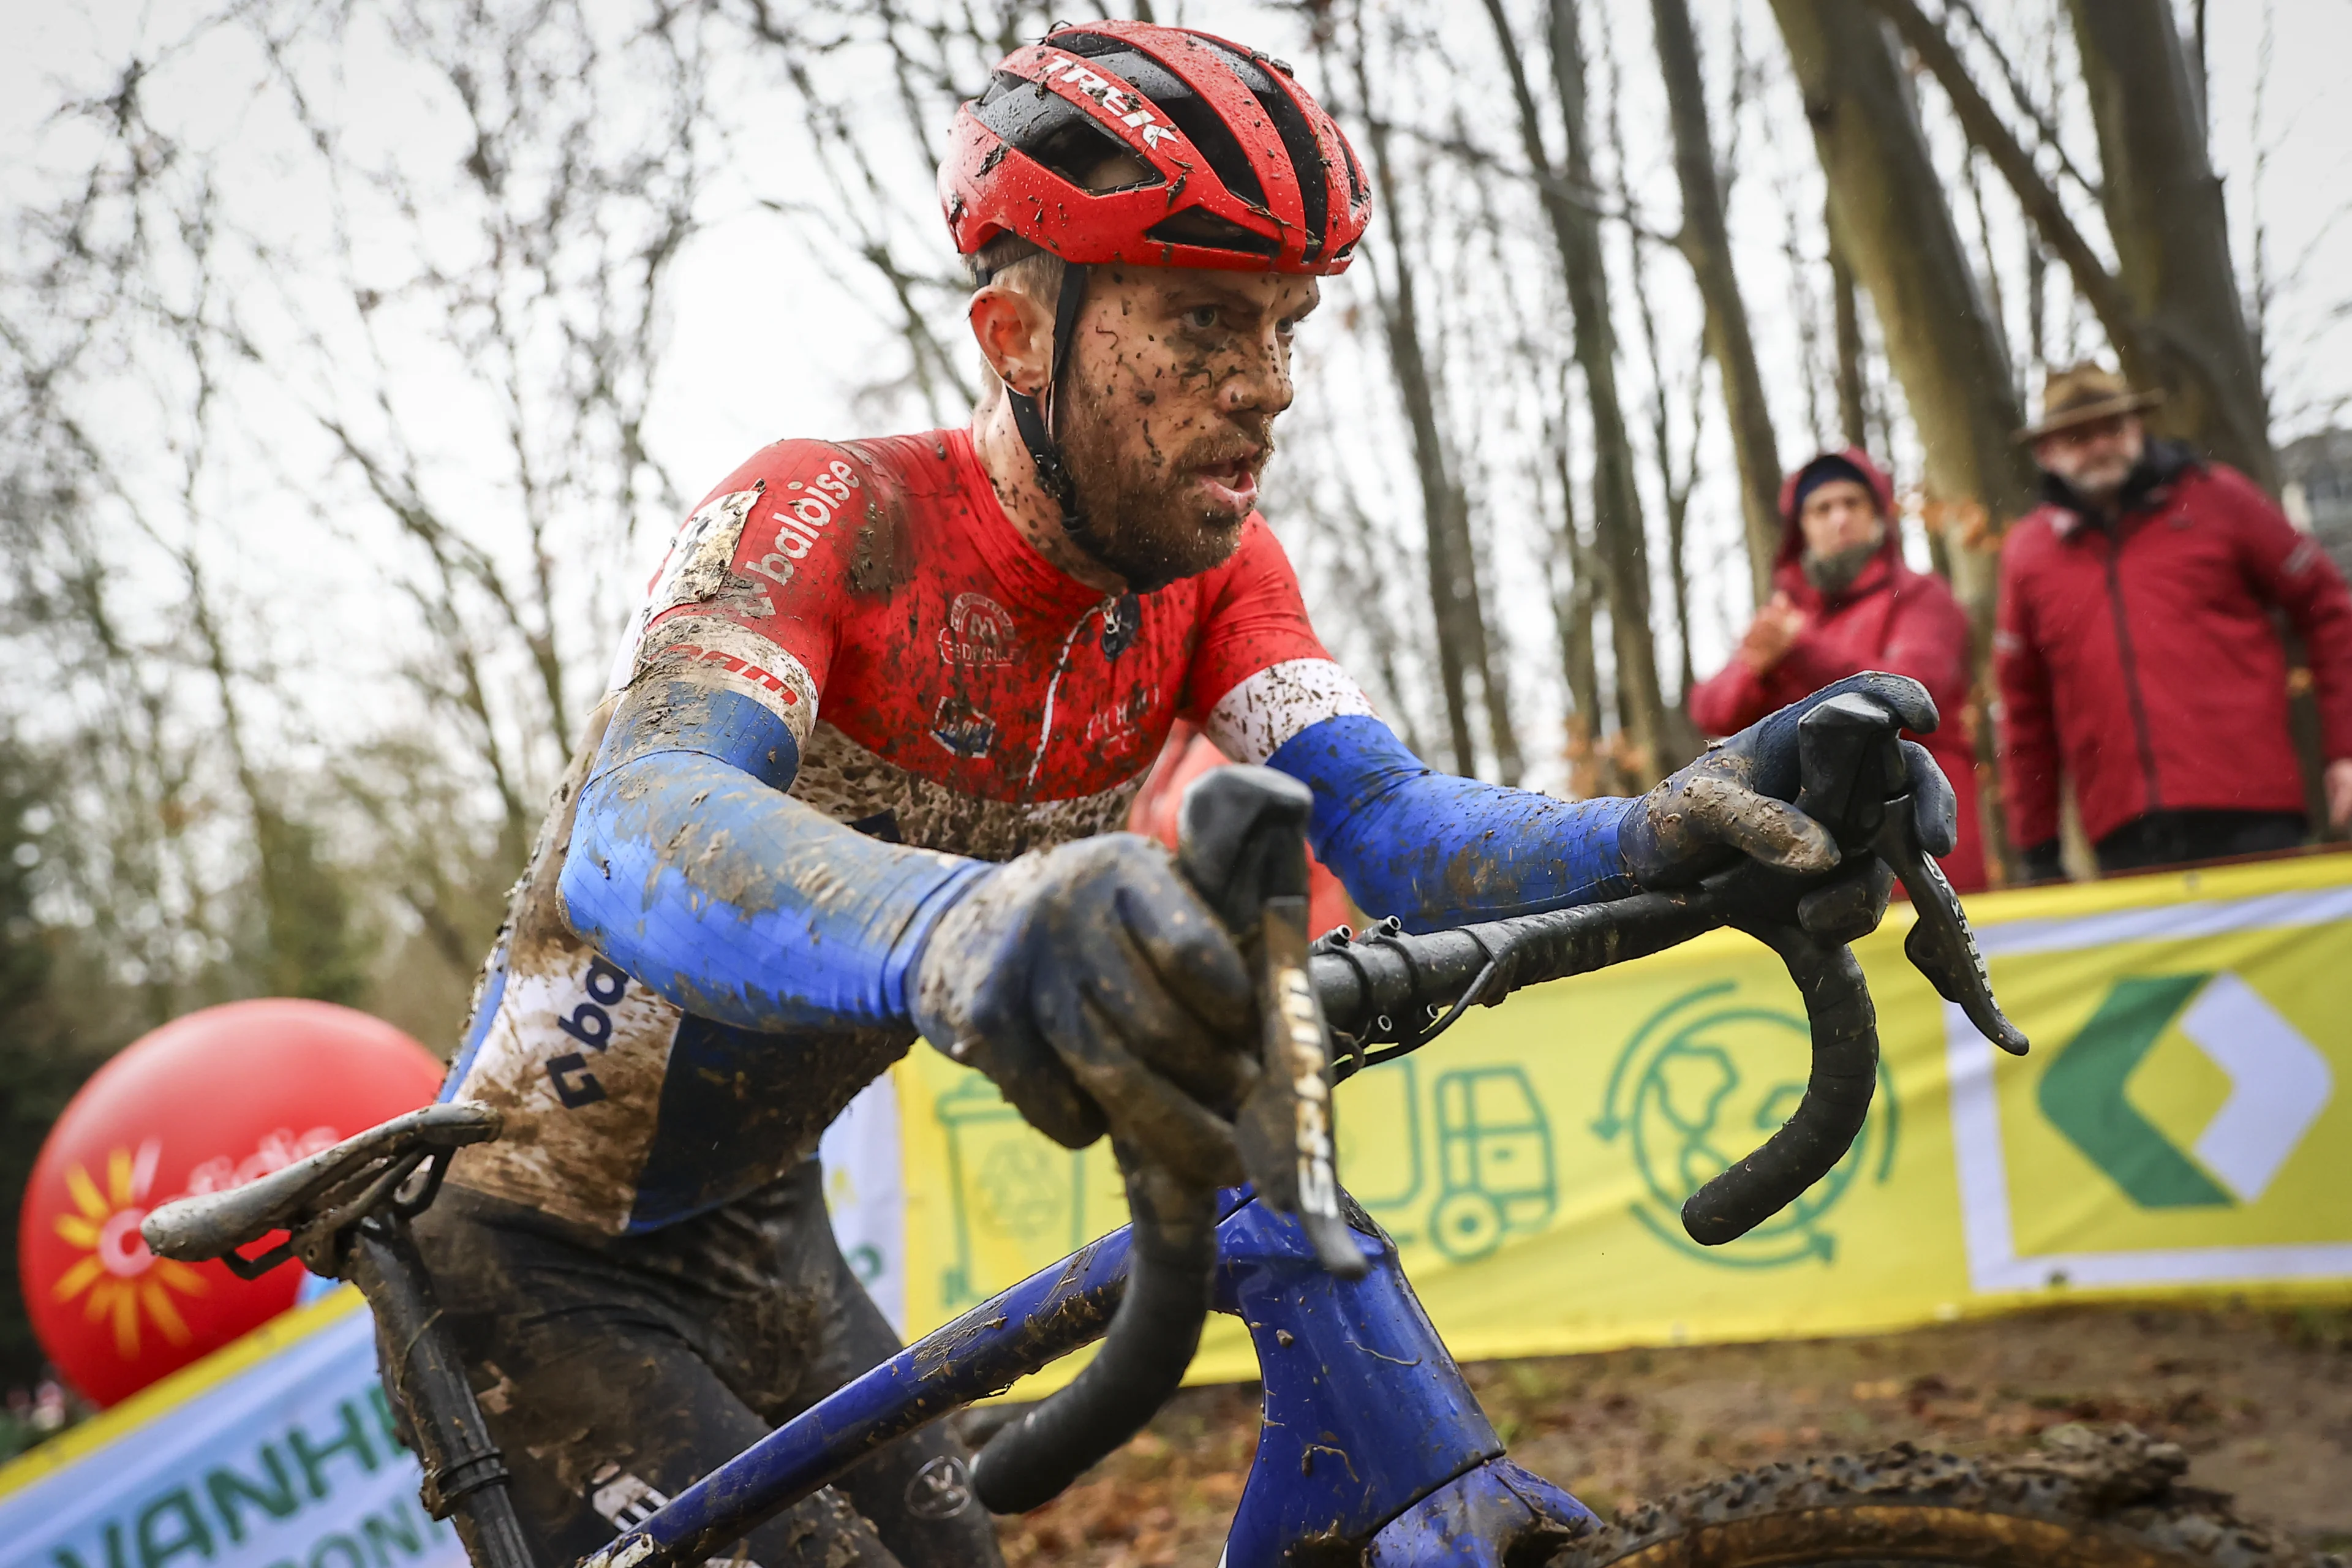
(2182, 1124)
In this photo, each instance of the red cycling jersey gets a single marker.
(947, 688)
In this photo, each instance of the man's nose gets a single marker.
(1261, 382)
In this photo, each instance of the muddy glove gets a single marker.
(1096, 990)
(1734, 800)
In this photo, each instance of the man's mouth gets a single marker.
(1232, 484)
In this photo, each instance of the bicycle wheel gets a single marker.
(2089, 1500)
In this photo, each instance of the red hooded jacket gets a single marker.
(2142, 663)
(1889, 618)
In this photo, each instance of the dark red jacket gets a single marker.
(1891, 618)
(2142, 663)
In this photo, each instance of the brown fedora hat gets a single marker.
(2083, 392)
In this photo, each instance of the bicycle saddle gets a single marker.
(351, 1177)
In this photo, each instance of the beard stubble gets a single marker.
(1141, 522)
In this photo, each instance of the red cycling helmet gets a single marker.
(1236, 167)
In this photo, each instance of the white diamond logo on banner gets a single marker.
(2279, 1083)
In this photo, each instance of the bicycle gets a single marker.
(1372, 1450)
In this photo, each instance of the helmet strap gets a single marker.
(1040, 428)
(1040, 432)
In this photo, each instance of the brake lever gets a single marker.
(1857, 786)
(1244, 847)
(1941, 944)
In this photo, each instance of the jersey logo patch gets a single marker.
(962, 728)
(591, 1026)
(1118, 725)
(979, 632)
(696, 569)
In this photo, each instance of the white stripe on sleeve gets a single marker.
(1252, 721)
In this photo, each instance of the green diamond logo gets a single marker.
(2279, 1083)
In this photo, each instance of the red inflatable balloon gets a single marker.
(205, 1102)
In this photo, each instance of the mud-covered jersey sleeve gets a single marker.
(688, 865)
(1430, 848)
(753, 582)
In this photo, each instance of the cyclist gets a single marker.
(854, 780)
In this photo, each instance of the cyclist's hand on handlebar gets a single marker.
(1738, 798)
(1095, 989)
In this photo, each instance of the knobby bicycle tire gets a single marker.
(2105, 1498)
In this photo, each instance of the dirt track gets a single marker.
(2263, 1401)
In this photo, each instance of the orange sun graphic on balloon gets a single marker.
(123, 1280)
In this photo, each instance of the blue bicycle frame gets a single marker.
(1371, 1440)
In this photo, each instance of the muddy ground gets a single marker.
(2261, 1399)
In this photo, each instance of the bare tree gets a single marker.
(1620, 535)
(2170, 228)
(1705, 240)
(285, 349)
(2170, 306)
(1891, 221)
(1463, 646)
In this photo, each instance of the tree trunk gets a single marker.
(1590, 771)
(2173, 316)
(1705, 243)
(1449, 608)
(1889, 218)
(1618, 532)
(1618, 528)
(1854, 404)
(2164, 208)
(1453, 586)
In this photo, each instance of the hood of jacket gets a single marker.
(1792, 556)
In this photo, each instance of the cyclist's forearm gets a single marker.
(1435, 850)
(741, 904)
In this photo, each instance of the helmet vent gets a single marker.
(1297, 139)
(1167, 92)
(1200, 227)
(1050, 129)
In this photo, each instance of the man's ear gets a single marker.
(1015, 336)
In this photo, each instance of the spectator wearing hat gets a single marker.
(1843, 602)
(2136, 652)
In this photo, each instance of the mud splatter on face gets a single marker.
(1165, 389)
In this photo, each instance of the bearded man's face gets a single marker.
(1166, 416)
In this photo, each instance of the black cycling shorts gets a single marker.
(615, 1371)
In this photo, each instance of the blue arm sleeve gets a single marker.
(1435, 850)
(692, 870)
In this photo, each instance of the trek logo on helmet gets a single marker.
(1132, 111)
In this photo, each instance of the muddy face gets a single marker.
(1166, 418)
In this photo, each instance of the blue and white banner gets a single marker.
(277, 1452)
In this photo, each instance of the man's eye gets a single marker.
(1200, 318)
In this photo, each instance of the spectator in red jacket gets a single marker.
(2136, 653)
(1843, 602)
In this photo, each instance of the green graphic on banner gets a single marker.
(1494, 1159)
(2083, 1094)
(1004, 1179)
(2278, 1085)
(1696, 1088)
